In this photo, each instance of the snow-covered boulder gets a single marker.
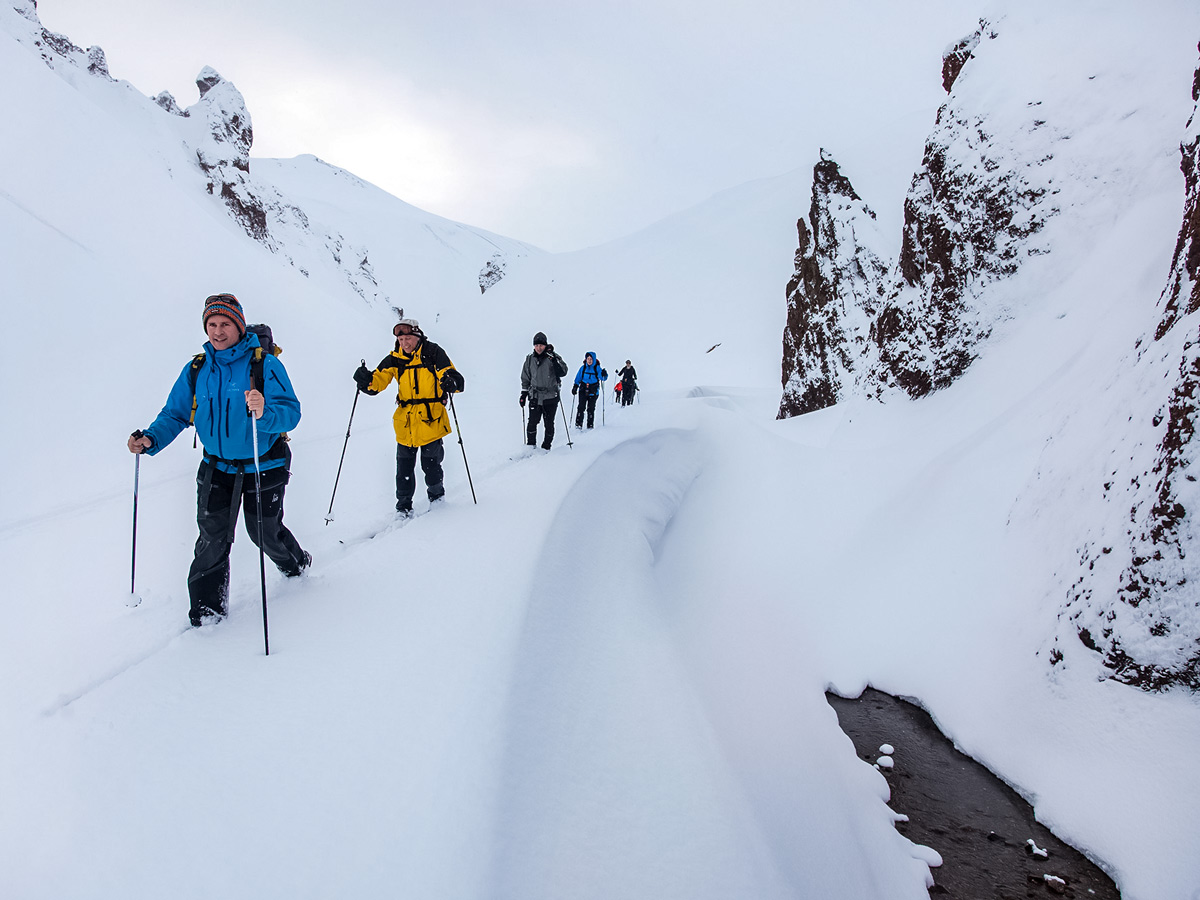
(491, 273)
(839, 284)
(166, 100)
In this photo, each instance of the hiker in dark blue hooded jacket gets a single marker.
(220, 382)
(587, 386)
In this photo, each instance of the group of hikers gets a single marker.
(238, 396)
(541, 388)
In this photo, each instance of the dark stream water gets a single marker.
(977, 823)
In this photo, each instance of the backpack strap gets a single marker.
(193, 374)
(256, 370)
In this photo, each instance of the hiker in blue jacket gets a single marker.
(221, 387)
(587, 386)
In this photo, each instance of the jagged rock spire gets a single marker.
(839, 282)
(225, 132)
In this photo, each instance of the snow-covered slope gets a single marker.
(606, 678)
(1038, 157)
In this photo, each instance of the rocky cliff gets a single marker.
(973, 213)
(1011, 171)
(974, 207)
(1136, 601)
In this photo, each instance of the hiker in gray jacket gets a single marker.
(541, 377)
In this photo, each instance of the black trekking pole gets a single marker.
(566, 425)
(262, 555)
(573, 410)
(137, 469)
(329, 515)
(462, 447)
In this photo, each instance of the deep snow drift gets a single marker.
(604, 680)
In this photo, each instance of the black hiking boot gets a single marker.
(305, 562)
(204, 616)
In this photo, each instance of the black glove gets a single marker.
(574, 389)
(604, 374)
(549, 348)
(449, 385)
(363, 376)
(524, 394)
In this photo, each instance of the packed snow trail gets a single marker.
(503, 700)
(644, 761)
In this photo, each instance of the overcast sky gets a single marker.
(560, 123)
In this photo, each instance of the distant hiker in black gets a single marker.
(221, 387)
(541, 379)
(628, 383)
(587, 386)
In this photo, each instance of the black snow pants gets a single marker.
(628, 389)
(432, 455)
(587, 399)
(545, 410)
(218, 498)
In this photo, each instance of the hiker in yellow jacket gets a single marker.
(424, 375)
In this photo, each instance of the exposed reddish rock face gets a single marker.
(970, 213)
(971, 216)
(1182, 295)
(955, 58)
(838, 285)
(975, 215)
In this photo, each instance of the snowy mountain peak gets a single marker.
(208, 78)
(225, 133)
(56, 49)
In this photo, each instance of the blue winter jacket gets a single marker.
(222, 422)
(592, 374)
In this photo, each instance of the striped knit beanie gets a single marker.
(225, 305)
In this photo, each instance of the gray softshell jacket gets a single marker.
(541, 376)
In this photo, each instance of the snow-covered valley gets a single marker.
(606, 678)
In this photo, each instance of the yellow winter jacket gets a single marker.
(420, 416)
